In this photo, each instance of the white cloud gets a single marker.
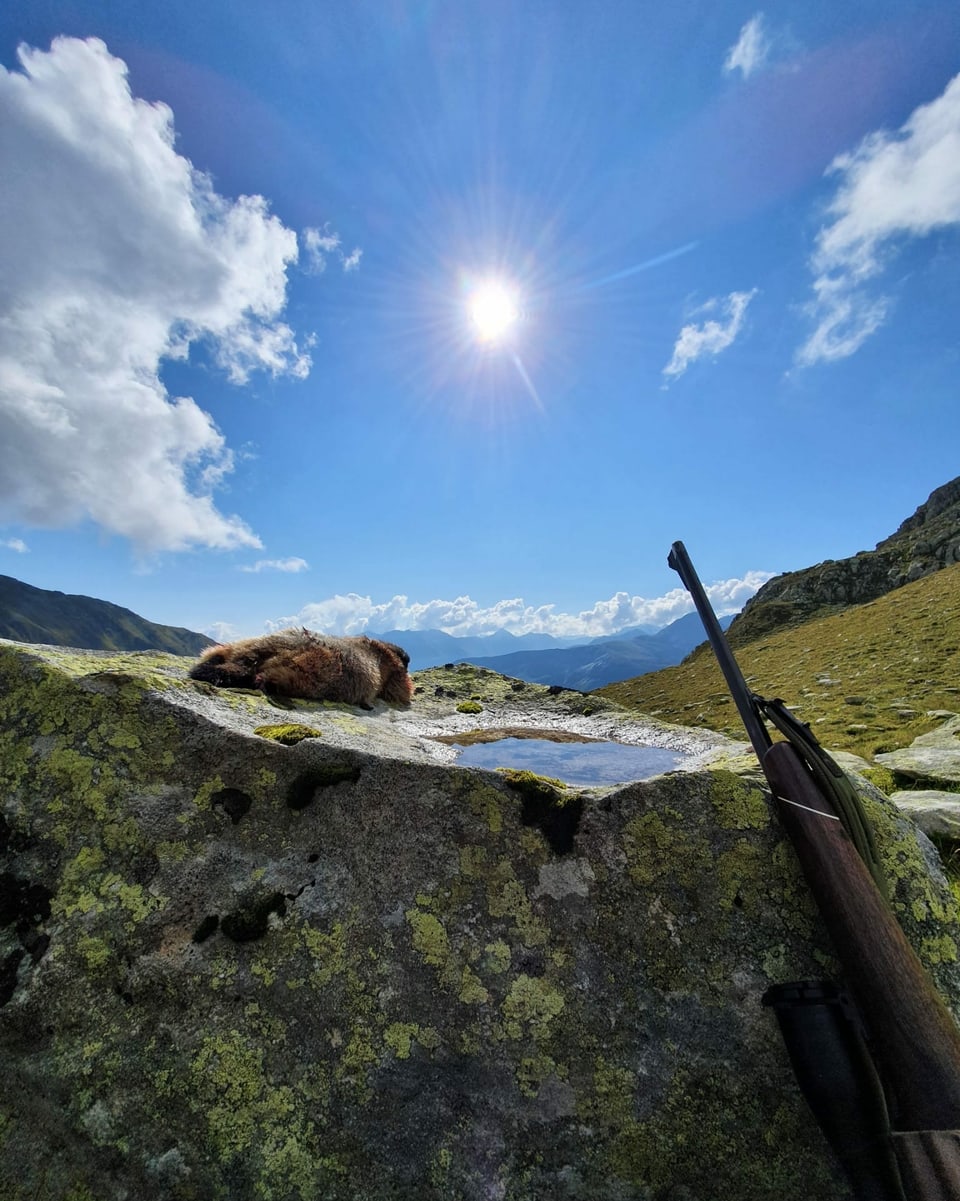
(752, 49)
(16, 544)
(116, 254)
(222, 631)
(319, 244)
(354, 614)
(290, 565)
(713, 336)
(893, 186)
(351, 261)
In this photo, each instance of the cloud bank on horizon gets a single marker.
(115, 255)
(354, 614)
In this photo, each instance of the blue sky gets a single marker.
(240, 385)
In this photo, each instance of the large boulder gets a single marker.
(290, 955)
(937, 813)
(932, 757)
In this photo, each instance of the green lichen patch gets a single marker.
(737, 804)
(529, 784)
(659, 846)
(483, 800)
(257, 1126)
(530, 1007)
(400, 1036)
(429, 937)
(288, 734)
(507, 898)
(470, 706)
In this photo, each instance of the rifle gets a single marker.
(891, 1113)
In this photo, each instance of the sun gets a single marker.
(494, 310)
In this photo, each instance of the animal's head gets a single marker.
(230, 666)
(395, 685)
(399, 652)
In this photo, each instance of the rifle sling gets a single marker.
(832, 782)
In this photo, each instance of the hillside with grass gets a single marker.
(926, 543)
(868, 679)
(29, 614)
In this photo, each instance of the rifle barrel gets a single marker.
(679, 560)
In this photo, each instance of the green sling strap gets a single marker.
(833, 782)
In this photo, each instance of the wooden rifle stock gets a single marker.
(914, 1039)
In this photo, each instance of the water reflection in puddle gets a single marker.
(575, 762)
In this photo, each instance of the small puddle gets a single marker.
(575, 762)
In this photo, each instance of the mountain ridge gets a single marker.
(864, 648)
(925, 542)
(42, 615)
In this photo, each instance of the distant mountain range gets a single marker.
(29, 614)
(432, 648)
(604, 660)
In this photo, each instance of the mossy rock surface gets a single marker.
(238, 969)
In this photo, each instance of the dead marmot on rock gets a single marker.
(303, 663)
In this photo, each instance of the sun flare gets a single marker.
(493, 311)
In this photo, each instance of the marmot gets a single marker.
(317, 666)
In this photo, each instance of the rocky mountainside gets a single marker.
(29, 614)
(926, 542)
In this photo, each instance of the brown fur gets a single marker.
(325, 667)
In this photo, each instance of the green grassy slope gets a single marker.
(29, 614)
(866, 679)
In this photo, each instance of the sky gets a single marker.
(407, 314)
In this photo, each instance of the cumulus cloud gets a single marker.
(116, 254)
(751, 51)
(16, 544)
(891, 187)
(290, 565)
(354, 614)
(320, 244)
(222, 631)
(713, 336)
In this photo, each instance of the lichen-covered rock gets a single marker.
(935, 812)
(933, 757)
(234, 968)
